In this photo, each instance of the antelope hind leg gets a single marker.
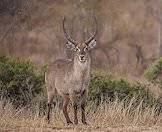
(64, 108)
(49, 108)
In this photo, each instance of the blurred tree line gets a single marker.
(128, 30)
(12, 7)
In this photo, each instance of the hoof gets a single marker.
(69, 123)
(85, 123)
(76, 122)
(48, 121)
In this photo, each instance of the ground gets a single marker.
(85, 129)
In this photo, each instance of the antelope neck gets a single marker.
(79, 66)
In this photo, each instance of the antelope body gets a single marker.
(70, 78)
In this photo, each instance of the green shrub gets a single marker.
(104, 86)
(19, 82)
(154, 70)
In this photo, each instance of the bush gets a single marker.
(19, 82)
(22, 85)
(154, 70)
(104, 86)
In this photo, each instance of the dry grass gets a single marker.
(108, 116)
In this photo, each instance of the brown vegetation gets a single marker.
(112, 116)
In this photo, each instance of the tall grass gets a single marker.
(107, 114)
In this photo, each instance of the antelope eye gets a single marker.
(86, 48)
(77, 49)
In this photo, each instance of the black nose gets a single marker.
(82, 57)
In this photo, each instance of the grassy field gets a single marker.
(109, 116)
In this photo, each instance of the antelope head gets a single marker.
(81, 49)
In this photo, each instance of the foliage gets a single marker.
(19, 82)
(104, 86)
(154, 70)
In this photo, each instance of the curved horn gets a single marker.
(91, 38)
(66, 34)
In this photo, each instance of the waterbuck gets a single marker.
(70, 78)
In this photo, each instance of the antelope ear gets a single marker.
(92, 44)
(70, 46)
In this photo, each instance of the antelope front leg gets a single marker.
(65, 104)
(83, 104)
(74, 100)
(83, 113)
(75, 107)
